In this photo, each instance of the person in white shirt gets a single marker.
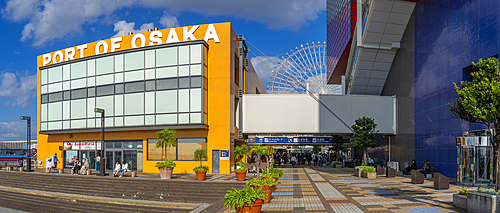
(124, 168)
(48, 166)
(117, 169)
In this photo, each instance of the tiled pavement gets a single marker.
(324, 189)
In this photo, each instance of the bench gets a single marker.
(429, 173)
(441, 181)
(380, 170)
(390, 172)
(417, 177)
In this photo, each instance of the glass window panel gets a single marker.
(159, 153)
(91, 123)
(195, 53)
(105, 79)
(118, 63)
(183, 118)
(196, 81)
(43, 126)
(55, 125)
(149, 74)
(134, 61)
(44, 89)
(195, 118)
(118, 105)
(166, 102)
(166, 57)
(149, 102)
(75, 84)
(119, 89)
(78, 93)
(66, 71)
(90, 108)
(91, 81)
(184, 82)
(195, 100)
(55, 87)
(134, 104)
(118, 144)
(78, 70)
(119, 121)
(184, 100)
(196, 69)
(43, 112)
(149, 120)
(55, 74)
(55, 111)
(134, 87)
(166, 119)
(166, 72)
(104, 65)
(45, 99)
(134, 120)
(66, 95)
(205, 59)
(78, 109)
(66, 85)
(108, 122)
(150, 85)
(118, 77)
(106, 103)
(105, 90)
(91, 67)
(187, 146)
(65, 124)
(66, 106)
(91, 92)
(150, 58)
(53, 97)
(75, 124)
(109, 144)
(183, 70)
(134, 76)
(170, 83)
(184, 55)
(44, 76)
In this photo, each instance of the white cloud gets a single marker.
(262, 66)
(49, 20)
(123, 28)
(168, 21)
(19, 90)
(16, 130)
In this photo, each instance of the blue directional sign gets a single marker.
(224, 154)
(293, 140)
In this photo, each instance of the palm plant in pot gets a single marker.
(246, 200)
(260, 151)
(166, 138)
(265, 185)
(201, 171)
(239, 153)
(166, 168)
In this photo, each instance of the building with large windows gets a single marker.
(184, 78)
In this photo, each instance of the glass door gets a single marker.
(111, 158)
(91, 158)
(484, 164)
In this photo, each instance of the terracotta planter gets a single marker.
(240, 175)
(272, 188)
(256, 206)
(166, 173)
(200, 175)
(266, 190)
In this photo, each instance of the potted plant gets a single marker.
(265, 185)
(261, 151)
(483, 200)
(460, 199)
(241, 171)
(272, 173)
(246, 200)
(201, 171)
(166, 168)
(336, 164)
(359, 170)
(369, 172)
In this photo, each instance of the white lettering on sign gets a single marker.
(114, 43)
(189, 34)
(134, 39)
(155, 38)
(98, 47)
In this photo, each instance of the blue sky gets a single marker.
(34, 27)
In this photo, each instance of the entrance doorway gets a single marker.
(111, 158)
(475, 162)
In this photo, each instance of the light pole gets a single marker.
(28, 143)
(103, 159)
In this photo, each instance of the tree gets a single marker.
(240, 152)
(200, 154)
(166, 138)
(260, 150)
(479, 102)
(364, 135)
(337, 141)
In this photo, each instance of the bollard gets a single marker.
(61, 171)
(9, 168)
(20, 169)
(134, 174)
(89, 172)
(72, 172)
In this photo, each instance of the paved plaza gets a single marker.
(323, 189)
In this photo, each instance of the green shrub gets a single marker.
(237, 198)
(242, 168)
(165, 164)
(368, 170)
(487, 191)
(201, 168)
(359, 167)
(259, 183)
(463, 191)
(275, 172)
(335, 163)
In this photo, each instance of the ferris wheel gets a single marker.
(304, 67)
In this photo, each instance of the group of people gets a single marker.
(317, 159)
(81, 167)
(120, 168)
(52, 163)
(424, 170)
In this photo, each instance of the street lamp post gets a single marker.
(103, 159)
(28, 143)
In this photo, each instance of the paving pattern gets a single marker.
(324, 189)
